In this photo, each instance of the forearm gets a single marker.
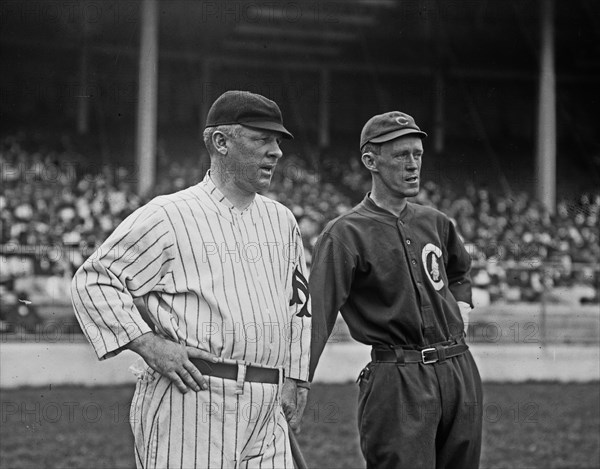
(330, 283)
(458, 267)
(144, 344)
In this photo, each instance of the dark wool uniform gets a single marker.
(396, 282)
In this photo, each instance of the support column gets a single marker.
(83, 103)
(436, 29)
(205, 94)
(546, 134)
(324, 100)
(147, 99)
(439, 127)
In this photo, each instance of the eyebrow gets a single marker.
(402, 154)
(258, 133)
(407, 150)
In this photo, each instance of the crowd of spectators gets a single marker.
(58, 199)
(514, 240)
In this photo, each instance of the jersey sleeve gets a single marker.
(331, 276)
(458, 267)
(129, 264)
(300, 311)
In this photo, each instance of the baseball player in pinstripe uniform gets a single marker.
(399, 274)
(221, 271)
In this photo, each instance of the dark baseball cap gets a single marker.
(385, 127)
(248, 109)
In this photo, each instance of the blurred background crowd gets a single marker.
(57, 206)
(92, 89)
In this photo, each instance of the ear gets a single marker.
(368, 159)
(219, 141)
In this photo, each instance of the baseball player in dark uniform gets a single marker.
(220, 269)
(399, 274)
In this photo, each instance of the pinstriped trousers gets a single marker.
(215, 428)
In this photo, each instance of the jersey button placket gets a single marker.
(409, 248)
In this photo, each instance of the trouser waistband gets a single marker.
(431, 354)
(253, 374)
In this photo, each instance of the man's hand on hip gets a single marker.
(293, 401)
(172, 360)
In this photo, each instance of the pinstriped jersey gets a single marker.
(229, 282)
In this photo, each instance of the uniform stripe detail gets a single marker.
(170, 425)
(222, 425)
(191, 256)
(154, 426)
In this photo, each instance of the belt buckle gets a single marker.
(428, 362)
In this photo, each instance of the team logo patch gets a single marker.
(299, 284)
(431, 256)
(402, 120)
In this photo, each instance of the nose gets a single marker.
(274, 150)
(412, 162)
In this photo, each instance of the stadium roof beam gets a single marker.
(375, 3)
(354, 67)
(281, 47)
(296, 33)
(291, 16)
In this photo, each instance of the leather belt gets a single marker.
(428, 355)
(254, 374)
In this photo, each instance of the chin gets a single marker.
(263, 186)
(411, 192)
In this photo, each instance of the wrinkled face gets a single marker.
(398, 165)
(252, 157)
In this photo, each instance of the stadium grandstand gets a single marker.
(103, 104)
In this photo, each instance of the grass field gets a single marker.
(531, 425)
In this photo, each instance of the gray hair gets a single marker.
(231, 130)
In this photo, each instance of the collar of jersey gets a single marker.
(214, 193)
(405, 216)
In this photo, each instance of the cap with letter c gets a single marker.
(388, 126)
(246, 108)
